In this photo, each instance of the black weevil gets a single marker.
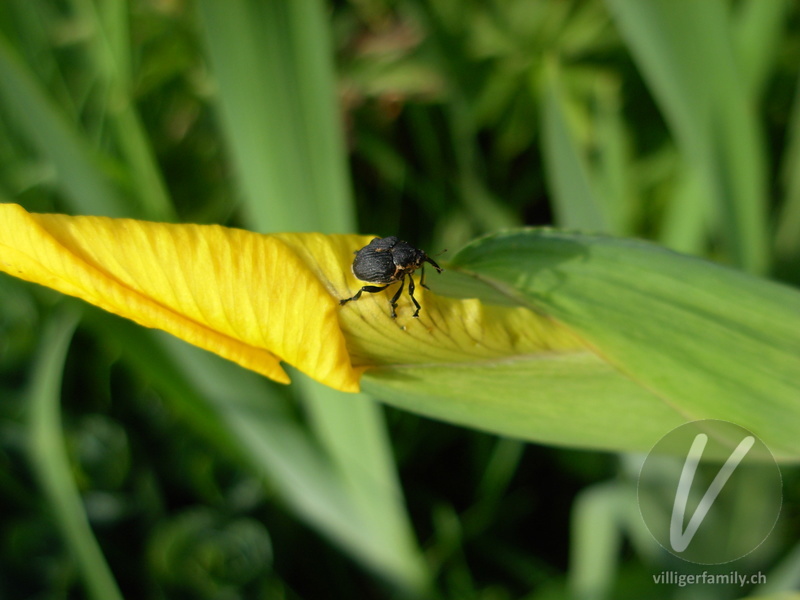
(386, 261)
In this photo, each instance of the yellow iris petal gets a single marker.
(448, 330)
(244, 296)
(261, 299)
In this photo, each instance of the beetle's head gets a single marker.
(407, 257)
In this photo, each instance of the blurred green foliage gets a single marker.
(677, 121)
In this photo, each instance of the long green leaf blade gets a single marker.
(704, 340)
(567, 400)
(277, 104)
(280, 116)
(80, 176)
(577, 202)
(49, 458)
(685, 50)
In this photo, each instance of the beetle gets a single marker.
(386, 261)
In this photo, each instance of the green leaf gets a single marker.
(576, 200)
(279, 114)
(787, 242)
(331, 499)
(552, 398)
(782, 578)
(80, 174)
(277, 104)
(686, 53)
(668, 339)
(50, 463)
(245, 416)
(596, 536)
(758, 35)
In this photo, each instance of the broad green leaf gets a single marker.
(662, 339)
(695, 340)
(563, 398)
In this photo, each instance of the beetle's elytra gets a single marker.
(385, 261)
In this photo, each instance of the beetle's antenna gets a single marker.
(428, 259)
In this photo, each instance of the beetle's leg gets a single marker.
(422, 279)
(397, 295)
(367, 288)
(435, 266)
(411, 289)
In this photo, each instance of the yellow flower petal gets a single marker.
(448, 330)
(244, 296)
(262, 299)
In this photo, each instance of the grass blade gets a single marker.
(577, 202)
(757, 34)
(596, 538)
(49, 457)
(250, 419)
(685, 51)
(80, 175)
(278, 109)
(787, 240)
(279, 113)
(108, 50)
